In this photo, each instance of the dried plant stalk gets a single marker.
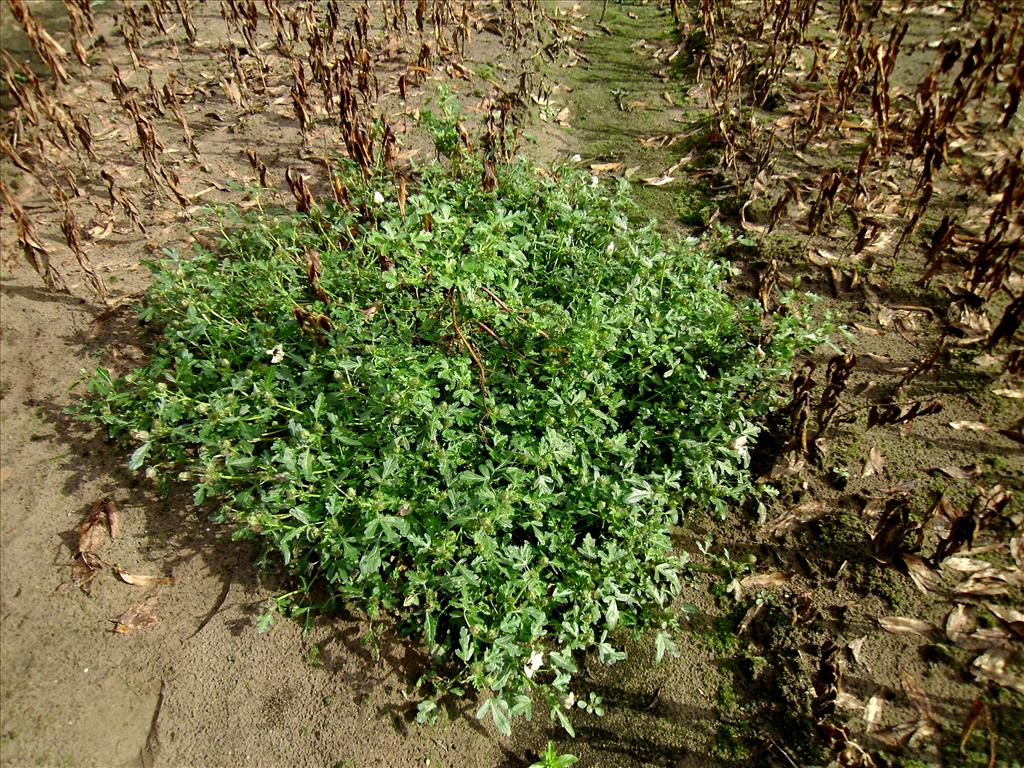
(838, 372)
(49, 50)
(36, 254)
(73, 234)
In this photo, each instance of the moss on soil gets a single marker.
(600, 110)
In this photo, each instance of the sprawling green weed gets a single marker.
(476, 414)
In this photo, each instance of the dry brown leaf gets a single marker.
(867, 330)
(90, 531)
(562, 118)
(828, 682)
(986, 360)
(911, 733)
(845, 700)
(144, 580)
(876, 358)
(990, 581)
(912, 308)
(799, 515)
(896, 735)
(231, 90)
(748, 617)
(789, 467)
(915, 732)
(959, 622)
(965, 564)
(822, 258)
(605, 167)
(84, 569)
(112, 516)
(974, 426)
(991, 665)
(959, 473)
(1012, 617)
(904, 625)
(875, 464)
(1006, 613)
(924, 731)
(699, 95)
(923, 577)
(856, 648)
(974, 325)
(873, 711)
(873, 509)
(656, 141)
(761, 580)
(137, 617)
(100, 231)
(881, 242)
(903, 487)
(686, 159)
(986, 639)
(659, 181)
(1013, 394)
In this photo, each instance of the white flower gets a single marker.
(568, 700)
(378, 198)
(740, 446)
(576, 158)
(534, 663)
(594, 181)
(610, 249)
(276, 354)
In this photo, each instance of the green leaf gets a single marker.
(265, 621)
(663, 643)
(563, 720)
(369, 563)
(499, 713)
(426, 712)
(611, 615)
(138, 457)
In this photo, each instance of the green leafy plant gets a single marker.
(694, 206)
(551, 758)
(444, 127)
(472, 414)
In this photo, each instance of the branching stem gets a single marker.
(476, 359)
